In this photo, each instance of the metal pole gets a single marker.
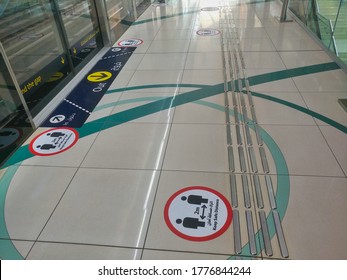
(135, 11)
(334, 28)
(284, 11)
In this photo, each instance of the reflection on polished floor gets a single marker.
(223, 117)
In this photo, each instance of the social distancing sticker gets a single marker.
(210, 9)
(130, 43)
(198, 213)
(208, 32)
(53, 141)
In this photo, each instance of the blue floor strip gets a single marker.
(75, 109)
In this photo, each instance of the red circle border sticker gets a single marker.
(198, 213)
(53, 141)
(208, 32)
(210, 9)
(130, 42)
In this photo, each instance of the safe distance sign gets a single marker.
(198, 213)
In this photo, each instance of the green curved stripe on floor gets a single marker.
(159, 86)
(196, 95)
(127, 101)
(204, 92)
(24, 153)
(291, 73)
(282, 192)
(309, 112)
(7, 248)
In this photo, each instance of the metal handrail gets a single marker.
(330, 25)
(333, 28)
(324, 17)
(333, 38)
(317, 5)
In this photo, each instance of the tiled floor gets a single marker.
(284, 176)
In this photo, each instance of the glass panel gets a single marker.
(81, 27)
(326, 30)
(29, 34)
(307, 12)
(328, 10)
(327, 19)
(299, 8)
(15, 126)
(120, 15)
(312, 18)
(142, 5)
(340, 32)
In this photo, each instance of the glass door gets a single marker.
(81, 28)
(15, 120)
(120, 15)
(47, 42)
(32, 42)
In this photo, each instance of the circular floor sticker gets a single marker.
(208, 32)
(198, 213)
(116, 49)
(130, 43)
(210, 9)
(8, 136)
(53, 141)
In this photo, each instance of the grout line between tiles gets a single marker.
(50, 216)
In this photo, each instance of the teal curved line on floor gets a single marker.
(282, 193)
(90, 128)
(165, 103)
(254, 80)
(316, 115)
(158, 86)
(291, 73)
(127, 101)
(7, 248)
(23, 153)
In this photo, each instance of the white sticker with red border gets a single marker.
(198, 213)
(208, 32)
(130, 43)
(53, 141)
(210, 9)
